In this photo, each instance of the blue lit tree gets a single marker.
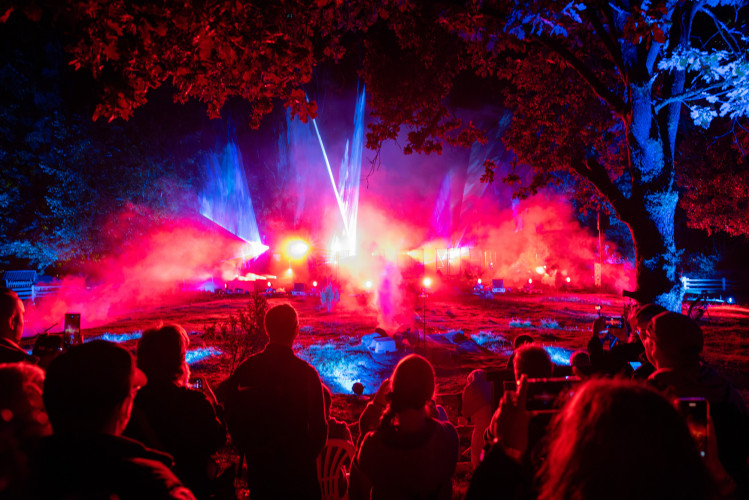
(597, 88)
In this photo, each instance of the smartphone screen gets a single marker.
(73, 329)
(196, 383)
(695, 412)
(635, 364)
(549, 394)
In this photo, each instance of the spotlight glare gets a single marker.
(568, 279)
(314, 284)
(541, 270)
(269, 284)
(530, 281)
(427, 282)
(297, 249)
(367, 284)
(479, 281)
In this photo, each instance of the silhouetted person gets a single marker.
(614, 439)
(11, 328)
(411, 454)
(673, 343)
(533, 361)
(89, 393)
(276, 414)
(580, 363)
(370, 417)
(23, 422)
(169, 416)
(617, 359)
(529, 359)
(337, 429)
(477, 407)
(620, 440)
(520, 341)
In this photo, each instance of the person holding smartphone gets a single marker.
(673, 344)
(628, 348)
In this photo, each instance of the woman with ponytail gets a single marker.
(411, 454)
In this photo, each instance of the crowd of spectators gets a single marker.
(103, 423)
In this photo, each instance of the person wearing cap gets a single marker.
(673, 344)
(171, 417)
(628, 348)
(88, 394)
(11, 328)
(411, 454)
(276, 414)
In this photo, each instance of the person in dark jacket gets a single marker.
(276, 414)
(171, 417)
(411, 454)
(673, 343)
(11, 328)
(89, 393)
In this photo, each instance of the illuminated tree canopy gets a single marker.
(609, 90)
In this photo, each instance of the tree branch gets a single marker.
(596, 173)
(699, 93)
(596, 84)
(608, 40)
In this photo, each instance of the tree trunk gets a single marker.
(650, 209)
(656, 256)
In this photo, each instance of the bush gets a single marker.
(242, 334)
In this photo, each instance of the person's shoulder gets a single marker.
(447, 430)
(153, 477)
(306, 367)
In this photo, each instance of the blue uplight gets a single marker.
(559, 355)
(201, 353)
(116, 337)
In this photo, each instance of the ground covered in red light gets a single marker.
(464, 332)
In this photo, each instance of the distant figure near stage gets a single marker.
(276, 414)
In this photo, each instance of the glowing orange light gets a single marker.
(427, 282)
(289, 271)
